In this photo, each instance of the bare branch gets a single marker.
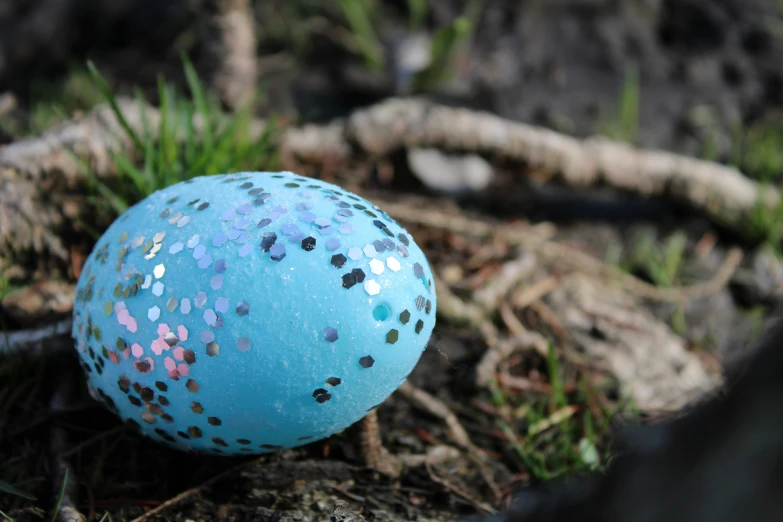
(35, 172)
(66, 483)
(234, 49)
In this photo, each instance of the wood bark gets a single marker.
(40, 177)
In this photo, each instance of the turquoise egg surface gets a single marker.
(246, 313)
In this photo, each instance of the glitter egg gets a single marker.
(251, 312)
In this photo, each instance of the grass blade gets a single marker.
(148, 171)
(10, 489)
(357, 13)
(163, 131)
(118, 204)
(60, 498)
(629, 106)
(444, 47)
(126, 168)
(558, 391)
(417, 13)
(187, 114)
(109, 96)
(202, 105)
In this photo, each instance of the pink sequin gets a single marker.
(152, 363)
(113, 357)
(182, 333)
(169, 363)
(137, 350)
(126, 352)
(158, 345)
(179, 353)
(122, 316)
(174, 374)
(183, 369)
(163, 329)
(132, 326)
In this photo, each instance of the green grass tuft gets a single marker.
(446, 42)
(417, 14)
(623, 122)
(557, 432)
(662, 262)
(53, 103)
(757, 150)
(193, 138)
(6, 287)
(359, 15)
(766, 225)
(445, 45)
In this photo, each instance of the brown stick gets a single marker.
(440, 409)
(722, 192)
(32, 170)
(537, 240)
(35, 340)
(376, 456)
(234, 48)
(66, 482)
(456, 430)
(192, 491)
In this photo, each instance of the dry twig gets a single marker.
(559, 254)
(37, 174)
(455, 309)
(538, 242)
(482, 507)
(32, 341)
(7, 103)
(34, 304)
(34, 171)
(440, 409)
(550, 319)
(721, 192)
(376, 456)
(192, 491)
(509, 276)
(233, 46)
(500, 350)
(529, 294)
(65, 482)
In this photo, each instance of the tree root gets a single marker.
(32, 170)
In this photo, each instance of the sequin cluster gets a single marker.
(253, 227)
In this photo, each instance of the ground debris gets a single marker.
(33, 304)
(650, 360)
(283, 488)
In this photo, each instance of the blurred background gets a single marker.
(684, 75)
(535, 356)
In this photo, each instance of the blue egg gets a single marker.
(251, 312)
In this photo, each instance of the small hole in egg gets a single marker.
(381, 312)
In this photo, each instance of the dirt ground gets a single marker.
(706, 68)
